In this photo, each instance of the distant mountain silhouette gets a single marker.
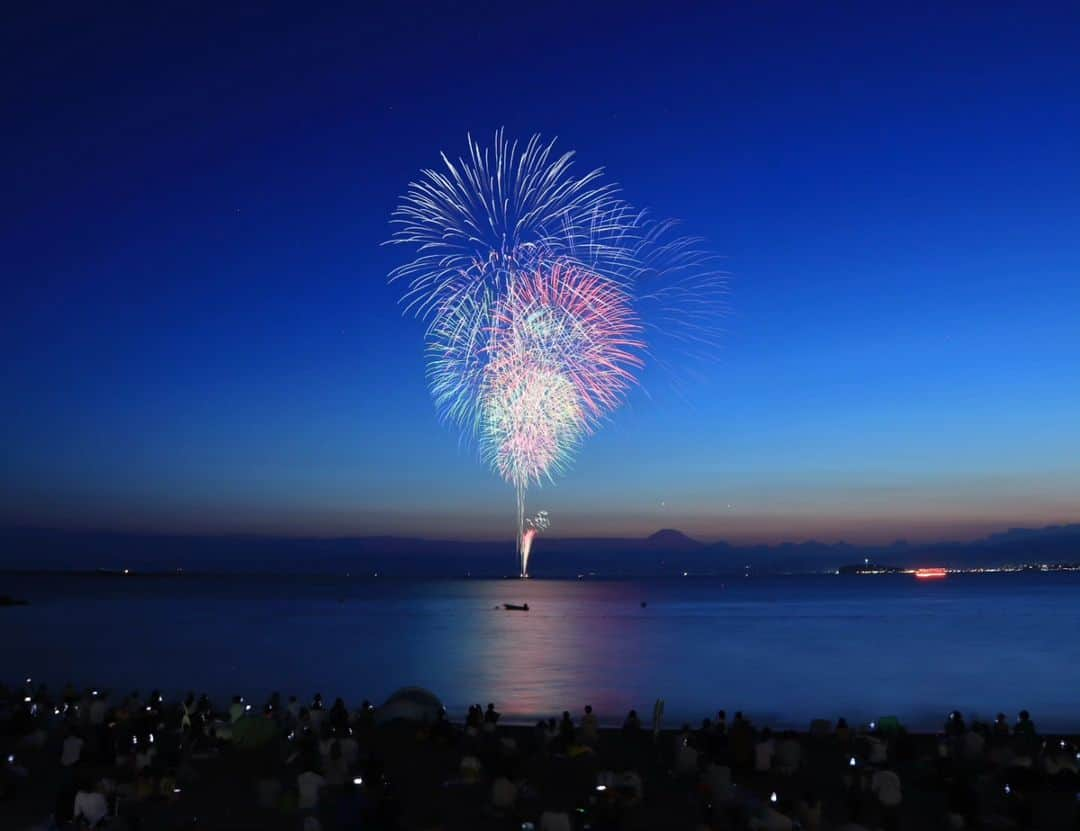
(666, 552)
(1028, 535)
(672, 540)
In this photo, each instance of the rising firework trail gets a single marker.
(540, 288)
(533, 526)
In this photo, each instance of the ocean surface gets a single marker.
(783, 649)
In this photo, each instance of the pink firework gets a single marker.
(565, 319)
(560, 353)
(531, 420)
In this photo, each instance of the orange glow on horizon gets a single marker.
(930, 573)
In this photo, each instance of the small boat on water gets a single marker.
(513, 607)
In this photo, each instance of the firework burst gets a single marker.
(561, 322)
(533, 280)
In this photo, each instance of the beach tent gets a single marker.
(410, 704)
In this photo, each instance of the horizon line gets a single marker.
(266, 535)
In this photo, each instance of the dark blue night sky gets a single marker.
(197, 333)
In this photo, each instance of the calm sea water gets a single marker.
(783, 649)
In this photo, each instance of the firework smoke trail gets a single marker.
(533, 281)
(534, 526)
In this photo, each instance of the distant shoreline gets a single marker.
(667, 553)
(843, 571)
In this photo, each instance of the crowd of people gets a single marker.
(94, 759)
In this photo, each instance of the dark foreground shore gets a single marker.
(278, 765)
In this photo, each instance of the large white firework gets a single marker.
(540, 287)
